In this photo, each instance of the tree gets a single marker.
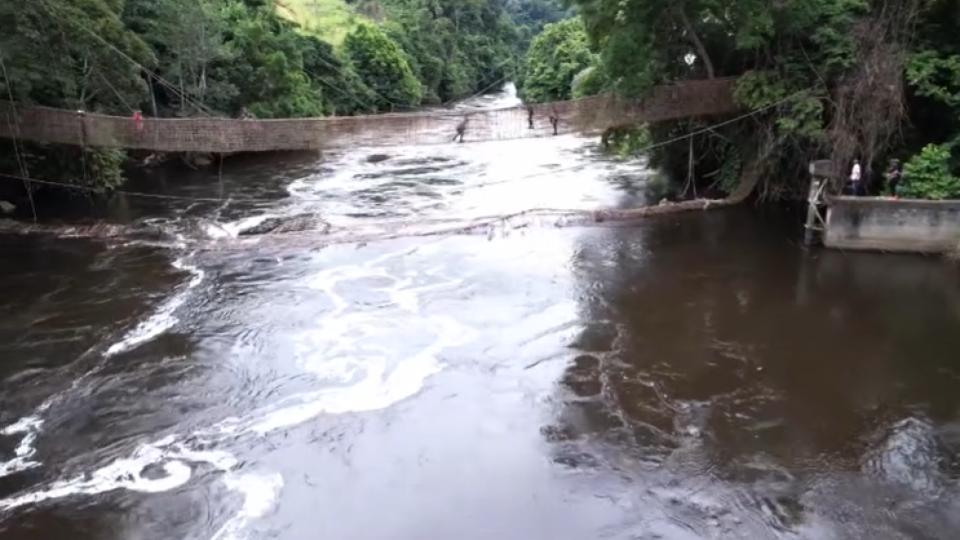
(927, 175)
(64, 54)
(556, 56)
(383, 66)
(341, 89)
(187, 37)
(59, 53)
(198, 57)
(828, 75)
(455, 47)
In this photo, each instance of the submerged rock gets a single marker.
(377, 158)
(7, 207)
(909, 453)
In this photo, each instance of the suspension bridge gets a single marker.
(687, 99)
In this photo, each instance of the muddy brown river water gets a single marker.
(693, 376)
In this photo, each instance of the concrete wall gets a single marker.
(892, 225)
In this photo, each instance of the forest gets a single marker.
(176, 58)
(871, 80)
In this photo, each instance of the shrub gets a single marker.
(383, 66)
(927, 175)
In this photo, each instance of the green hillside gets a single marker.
(330, 20)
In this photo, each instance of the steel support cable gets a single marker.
(116, 93)
(660, 144)
(15, 128)
(339, 71)
(485, 89)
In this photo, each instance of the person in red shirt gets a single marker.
(138, 120)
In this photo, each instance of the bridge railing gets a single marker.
(229, 135)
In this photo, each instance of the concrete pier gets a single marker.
(908, 225)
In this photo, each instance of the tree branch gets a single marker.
(697, 43)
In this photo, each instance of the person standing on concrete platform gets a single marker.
(856, 174)
(894, 174)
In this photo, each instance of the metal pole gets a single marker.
(813, 210)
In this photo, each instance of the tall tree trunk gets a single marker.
(701, 49)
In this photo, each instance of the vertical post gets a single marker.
(81, 118)
(813, 211)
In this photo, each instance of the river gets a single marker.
(692, 376)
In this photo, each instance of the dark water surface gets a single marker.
(695, 376)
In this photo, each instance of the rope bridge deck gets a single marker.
(228, 135)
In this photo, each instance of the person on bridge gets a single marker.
(529, 116)
(856, 174)
(461, 129)
(554, 119)
(138, 120)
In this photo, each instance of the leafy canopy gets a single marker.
(383, 66)
(556, 56)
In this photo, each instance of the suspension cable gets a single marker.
(667, 142)
(15, 128)
(116, 93)
(59, 16)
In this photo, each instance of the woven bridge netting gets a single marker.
(227, 135)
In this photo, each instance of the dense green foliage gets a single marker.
(531, 16)
(833, 78)
(52, 53)
(556, 56)
(383, 67)
(238, 57)
(455, 47)
(329, 20)
(927, 175)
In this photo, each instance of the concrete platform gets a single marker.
(885, 224)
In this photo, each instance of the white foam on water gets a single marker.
(359, 377)
(217, 231)
(260, 496)
(163, 318)
(377, 388)
(128, 473)
(29, 426)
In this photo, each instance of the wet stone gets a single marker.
(596, 337)
(555, 433)
(588, 417)
(583, 377)
(377, 158)
(153, 471)
(577, 460)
